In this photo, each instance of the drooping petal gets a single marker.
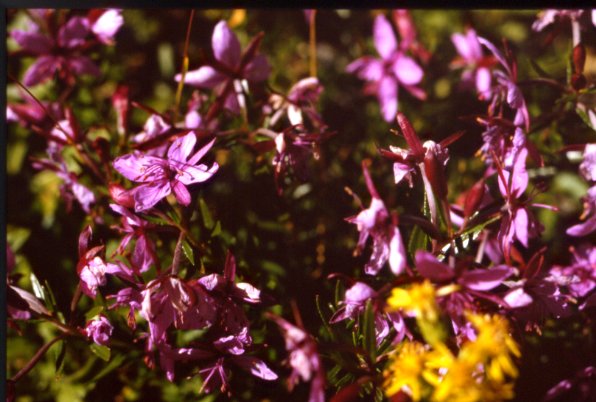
(226, 46)
(258, 69)
(33, 42)
(204, 77)
(407, 70)
(42, 69)
(74, 32)
(397, 253)
(147, 195)
(384, 38)
(387, 94)
(181, 193)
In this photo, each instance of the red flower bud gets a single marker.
(121, 196)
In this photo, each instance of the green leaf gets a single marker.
(369, 340)
(216, 229)
(418, 241)
(93, 312)
(60, 358)
(111, 366)
(38, 290)
(51, 300)
(103, 352)
(186, 247)
(581, 111)
(207, 218)
(16, 237)
(328, 329)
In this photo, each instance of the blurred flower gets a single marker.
(159, 177)
(548, 17)
(300, 101)
(580, 276)
(581, 387)
(419, 301)
(406, 370)
(377, 223)
(230, 65)
(392, 69)
(477, 66)
(93, 274)
(588, 169)
(99, 329)
(62, 52)
(304, 359)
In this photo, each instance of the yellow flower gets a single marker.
(493, 347)
(405, 370)
(419, 300)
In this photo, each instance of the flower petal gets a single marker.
(147, 195)
(397, 253)
(33, 42)
(83, 65)
(196, 174)
(384, 38)
(181, 193)
(485, 279)
(226, 46)
(182, 147)
(73, 33)
(41, 70)
(407, 70)
(204, 77)
(387, 94)
(256, 367)
(258, 69)
(107, 25)
(139, 167)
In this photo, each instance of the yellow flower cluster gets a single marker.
(482, 370)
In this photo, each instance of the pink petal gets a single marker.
(407, 71)
(387, 94)
(485, 279)
(384, 38)
(83, 65)
(429, 267)
(258, 69)
(74, 32)
(147, 195)
(107, 25)
(397, 253)
(32, 41)
(226, 46)
(41, 70)
(583, 229)
(196, 174)
(204, 77)
(139, 167)
(521, 226)
(483, 81)
(181, 193)
(201, 152)
(517, 298)
(256, 367)
(463, 46)
(182, 147)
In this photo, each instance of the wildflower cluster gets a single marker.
(203, 206)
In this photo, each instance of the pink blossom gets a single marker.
(99, 329)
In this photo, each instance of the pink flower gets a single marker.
(160, 177)
(230, 66)
(100, 330)
(393, 69)
(377, 223)
(475, 63)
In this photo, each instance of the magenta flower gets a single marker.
(303, 359)
(230, 66)
(160, 177)
(477, 66)
(93, 274)
(580, 276)
(377, 223)
(59, 54)
(548, 17)
(134, 227)
(393, 69)
(354, 304)
(99, 329)
(588, 169)
(106, 25)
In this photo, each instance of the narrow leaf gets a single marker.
(103, 352)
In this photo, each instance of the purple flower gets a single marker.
(477, 66)
(59, 53)
(93, 274)
(230, 66)
(300, 101)
(588, 169)
(581, 387)
(392, 69)
(160, 177)
(547, 17)
(107, 24)
(354, 304)
(134, 227)
(580, 276)
(99, 329)
(377, 223)
(506, 89)
(303, 359)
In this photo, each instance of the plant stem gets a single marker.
(35, 359)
